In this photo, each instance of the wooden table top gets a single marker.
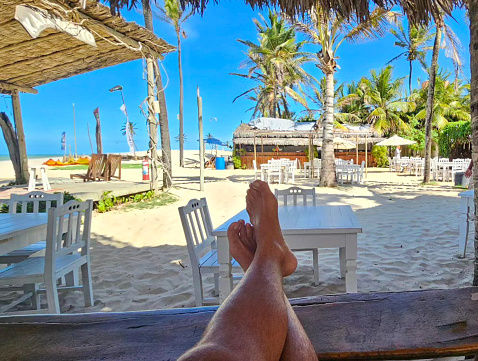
(307, 220)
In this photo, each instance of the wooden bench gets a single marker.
(380, 326)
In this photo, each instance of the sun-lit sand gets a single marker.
(409, 240)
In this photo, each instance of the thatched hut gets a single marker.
(43, 41)
(251, 143)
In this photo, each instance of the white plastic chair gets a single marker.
(197, 227)
(275, 169)
(31, 200)
(67, 250)
(295, 196)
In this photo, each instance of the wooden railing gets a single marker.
(376, 326)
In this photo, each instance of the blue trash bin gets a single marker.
(220, 163)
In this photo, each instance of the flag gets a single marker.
(129, 137)
(63, 141)
(99, 144)
(123, 109)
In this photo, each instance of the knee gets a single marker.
(209, 352)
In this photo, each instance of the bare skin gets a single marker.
(255, 321)
(297, 345)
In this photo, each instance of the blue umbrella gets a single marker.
(214, 141)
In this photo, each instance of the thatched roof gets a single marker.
(247, 135)
(26, 62)
(418, 11)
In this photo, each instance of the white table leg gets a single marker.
(351, 263)
(464, 225)
(44, 179)
(224, 260)
(32, 180)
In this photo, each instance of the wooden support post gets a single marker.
(366, 155)
(153, 125)
(311, 157)
(356, 149)
(22, 148)
(201, 143)
(255, 150)
(262, 150)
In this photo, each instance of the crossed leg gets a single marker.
(256, 322)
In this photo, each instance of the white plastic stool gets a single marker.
(33, 176)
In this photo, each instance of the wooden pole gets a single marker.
(74, 130)
(262, 149)
(255, 150)
(366, 155)
(311, 157)
(22, 148)
(356, 149)
(153, 126)
(89, 137)
(201, 144)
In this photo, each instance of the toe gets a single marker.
(233, 231)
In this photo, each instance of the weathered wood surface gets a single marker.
(405, 325)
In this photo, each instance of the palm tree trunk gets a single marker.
(181, 102)
(163, 116)
(473, 14)
(431, 102)
(410, 79)
(327, 171)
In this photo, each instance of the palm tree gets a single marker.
(415, 45)
(382, 94)
(329, 31)
(453, 51)
(276, 64)
(153, 78)
(173, 14)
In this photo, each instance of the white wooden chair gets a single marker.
(295, 196)
(67, 250)
(257, 172)
(29, 203)
(275, 169)
(197, 227)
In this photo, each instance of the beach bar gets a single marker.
(262, 142)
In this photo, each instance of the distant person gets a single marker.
(397, 152)
(469, 171)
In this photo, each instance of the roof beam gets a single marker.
(126, 39)
(12, 87)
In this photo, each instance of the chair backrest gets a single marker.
(34, 202)
(113, 163)
(197, 227)
(293, 194)
(68, 232)
(97, 166)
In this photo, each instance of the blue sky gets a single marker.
(210, 54)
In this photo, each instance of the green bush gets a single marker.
(380, 155)
(316, 154)
(453, 136)
(236, 158)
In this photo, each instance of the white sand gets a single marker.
(140, 260)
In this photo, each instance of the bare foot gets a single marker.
(261, 205)
(242, 243)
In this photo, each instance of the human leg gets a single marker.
(252, 324)
(297, 345)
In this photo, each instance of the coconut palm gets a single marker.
(415, 44)
(383, 96)
(453, 51)
(173, 14)
(329, 31)
(276, 64)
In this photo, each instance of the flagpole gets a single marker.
(74, 130)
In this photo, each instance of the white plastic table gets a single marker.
(303, 227)
(467, 214)
(19, 230)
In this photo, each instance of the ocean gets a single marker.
(33, 156)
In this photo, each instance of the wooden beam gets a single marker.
(121, 37)
(9, 88)
(17, 113)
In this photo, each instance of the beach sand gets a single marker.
(139, 258)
